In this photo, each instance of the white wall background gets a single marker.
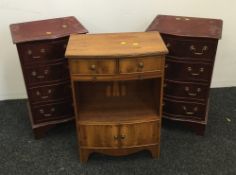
(101, 16)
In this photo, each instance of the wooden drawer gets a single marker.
(139, 65)
(119, 136)
(93, 67)
(186, 90)
(195, 48)
(50, 92)
(187, 71)
(140, 134)
(98, 136)
(44, 113)
(186, 110)
(46, 73)
(43, 51)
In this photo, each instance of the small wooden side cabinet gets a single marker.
(41, 47)
(192, 45)
(117, 84)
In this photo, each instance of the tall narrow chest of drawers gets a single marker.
(192, 45)
(41, 47)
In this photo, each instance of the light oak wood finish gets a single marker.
(117, 82)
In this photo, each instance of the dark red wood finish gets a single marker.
(192, 44)
(41, 47)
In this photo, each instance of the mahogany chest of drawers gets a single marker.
(117, 82)
(41, 47)
(192, 45)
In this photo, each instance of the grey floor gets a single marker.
(182, 152)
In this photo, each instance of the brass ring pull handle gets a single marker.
(203, 50)
(93, 67)
(141, 65)
(195, 109)
(195, 73)
(36, 57)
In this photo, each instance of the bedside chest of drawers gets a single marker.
(192, 45)
(117, 84)
(41, 47)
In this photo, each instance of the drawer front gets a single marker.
(188, 71)
(43, 51)
(48, 73)
(184, 110)
(139, 134)
(191, 48)
(140, 65)
(186, 90)
(44, 113)
(50, 92)
(93, 67)
(98, 136)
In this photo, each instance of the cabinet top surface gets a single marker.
(46, 29)
(115, 45)
(187, 26)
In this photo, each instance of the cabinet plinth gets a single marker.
(192, 45)
(41, 48)
(117, 84)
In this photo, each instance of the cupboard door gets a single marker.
(98, 136)
(139, 134)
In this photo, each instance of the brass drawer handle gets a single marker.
(47, 115)
(44, 97)
(119, 137)
(141, 65)
(166, 66)
(33, 73)
(29, 52)
(191, 93)
(189, 113)
(195, 73)
(116, 137)
(195, 109)
(42, 50)
(168, 45)
(36, 57)
(193, 49)
(122, 137)
(40, 77)
(93, 67)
